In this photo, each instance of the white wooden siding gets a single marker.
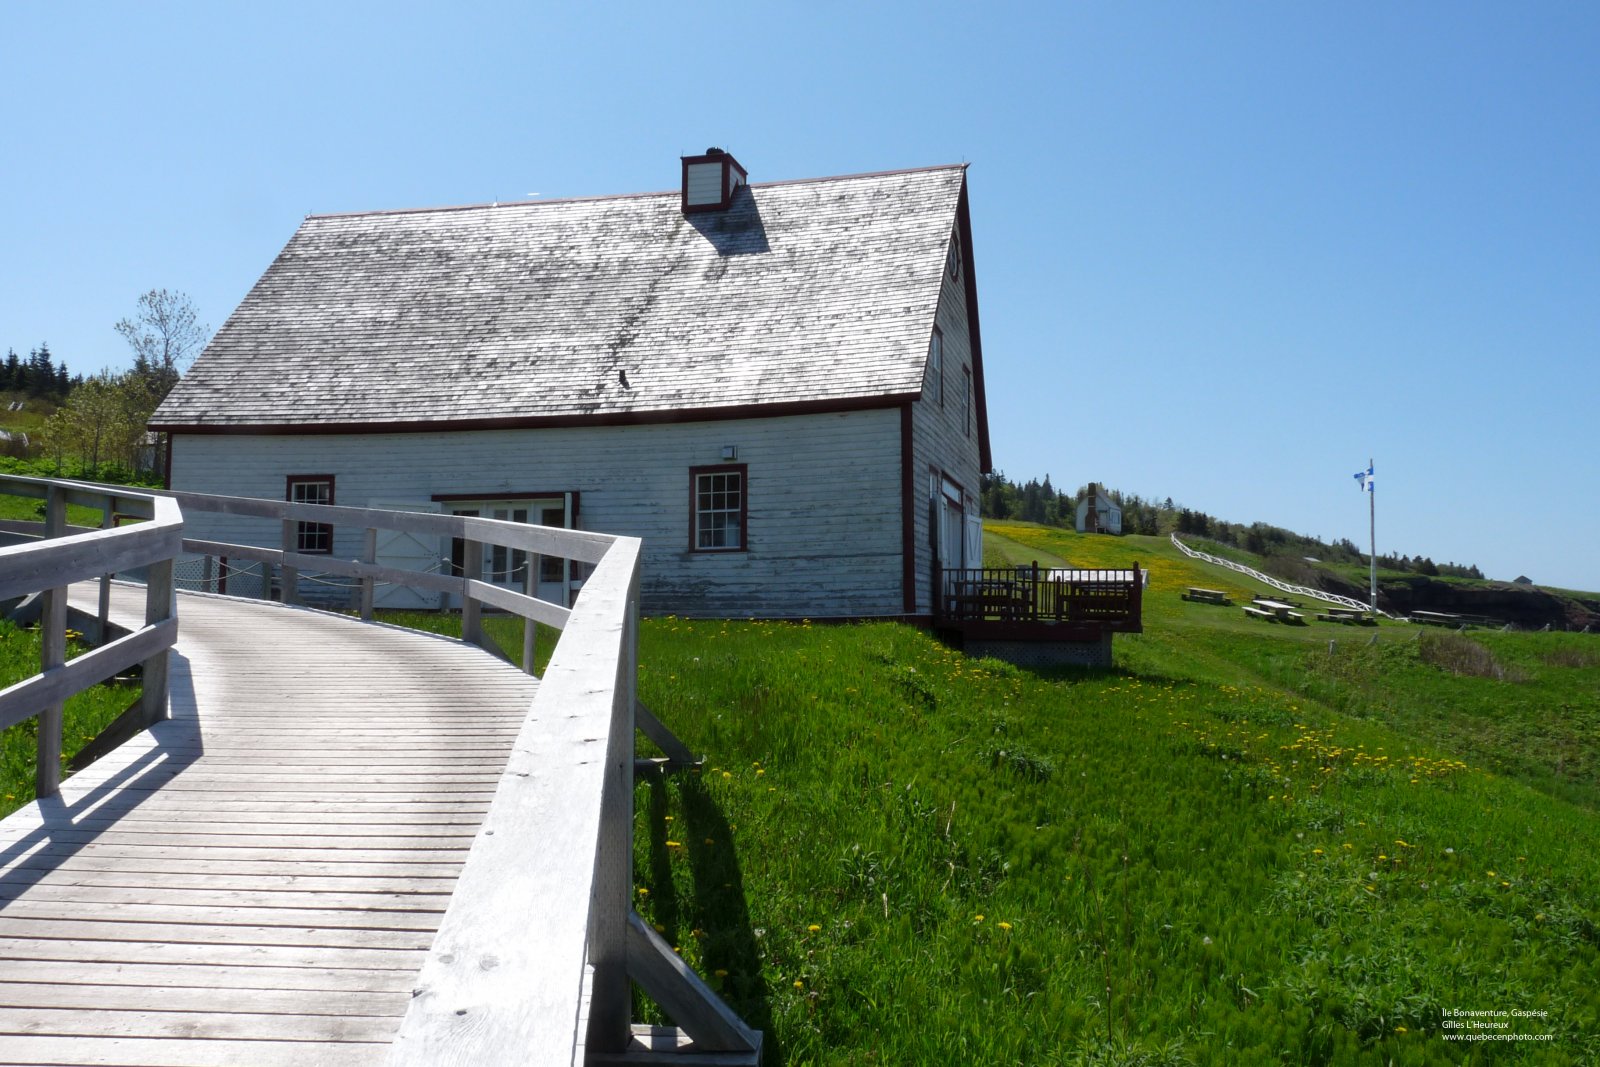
(705, 183)
(824, 498)
(939, 434)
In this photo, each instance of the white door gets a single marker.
(974, 539)
(411, 552)
(509, 567)
(952, 528)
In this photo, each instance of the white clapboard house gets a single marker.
(778, 386)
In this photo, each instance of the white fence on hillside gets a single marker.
(1316, 594)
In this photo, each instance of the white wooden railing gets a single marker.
(64, 555)
(1287, 587)
(539, 944)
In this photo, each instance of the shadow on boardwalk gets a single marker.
(67, 827)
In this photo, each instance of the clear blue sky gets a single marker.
(1226, 252)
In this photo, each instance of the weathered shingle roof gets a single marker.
(816, 292)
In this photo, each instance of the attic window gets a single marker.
(710, 180)
(953, 262)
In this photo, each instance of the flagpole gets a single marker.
(1372, 524)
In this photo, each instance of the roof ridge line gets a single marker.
(497, 204)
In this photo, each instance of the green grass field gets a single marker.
(1236, 847)
(1242, 845)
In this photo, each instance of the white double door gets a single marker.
(509, 567)
(505, 567)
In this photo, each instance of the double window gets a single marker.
(717, 510)
(312, 538)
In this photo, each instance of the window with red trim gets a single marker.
(312, 538)
(717, 509)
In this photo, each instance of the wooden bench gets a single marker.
(1259, 613)
(1207, 596)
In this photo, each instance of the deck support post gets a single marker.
(685, 997)
(52, 653)
(369, 554)
(677, 753)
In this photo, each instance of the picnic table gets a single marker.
(1347, 616)
(1207, 596)
(1275, 610)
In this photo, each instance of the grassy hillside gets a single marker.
(1237, 847)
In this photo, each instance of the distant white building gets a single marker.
(1097, 513)
(778, 386)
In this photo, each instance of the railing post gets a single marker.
(52, 653)
(108, 520)
(611, 994)
(159, 606)
(290, 592)
(1138, 598)
(471, 607)
(530, 629)
(369, 554)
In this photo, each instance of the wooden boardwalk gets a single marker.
(256, 880)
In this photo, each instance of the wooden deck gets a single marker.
(256, 880)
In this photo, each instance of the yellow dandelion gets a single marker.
(1004, 925)
(720, 973)
(977, 918)
(814, 928)
(799, 984)
(643, 892)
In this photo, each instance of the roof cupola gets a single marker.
(710, 180)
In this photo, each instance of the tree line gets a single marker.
(38, 375)
(102, 421)
(1284, 550)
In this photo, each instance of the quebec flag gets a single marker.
(1366, 479)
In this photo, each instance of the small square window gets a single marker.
(717, 509)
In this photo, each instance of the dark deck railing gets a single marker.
(1044, 604)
